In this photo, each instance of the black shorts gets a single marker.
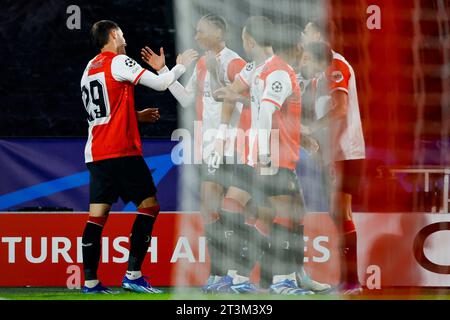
(221, 175)
(283, 183)
(243, 177)
(347, 176)
(261, 187)
(128, 178)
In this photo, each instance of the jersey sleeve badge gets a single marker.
(337, 76)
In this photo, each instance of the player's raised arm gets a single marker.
(232, 104)
(125, 69)
(162, 81)
(184, 95)
(338, 111)
(233, 94)
(217, 81)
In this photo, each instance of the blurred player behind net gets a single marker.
(340, 130)
(216, 68)
(287, 44)
(268, 178)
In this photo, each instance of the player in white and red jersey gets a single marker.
(217, 68)
(288, 41)
(268, 178)
(339, 130)
(113, 151)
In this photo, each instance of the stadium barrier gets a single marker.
(404, 249)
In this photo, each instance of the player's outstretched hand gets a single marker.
(149, 115)
(155, 61)
(187, 57)
(225, 93)
(310, 144)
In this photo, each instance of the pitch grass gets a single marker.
(41, 293)
(120, 294)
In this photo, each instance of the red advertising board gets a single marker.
(44, 249)
(36, 249)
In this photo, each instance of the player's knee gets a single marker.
(240, 195)
(209, 216)
(149, 202)
(264, 221)
(233, 205)
(211, 191)
(99, 210)
(209, 205)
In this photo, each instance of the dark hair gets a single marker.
(326, 27)
(320, 51)
(100, 32)
(261, 29)
(286, 37)
(216, 20)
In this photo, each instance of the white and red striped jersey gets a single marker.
(344, 139)
(249, 76)
(209, 111)
(107, 88)
(274, 81)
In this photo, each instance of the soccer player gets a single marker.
(339, 129)
(275, 109)
(113, 152)
(218, 67)
(287, 37)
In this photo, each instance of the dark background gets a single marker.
(42, 62)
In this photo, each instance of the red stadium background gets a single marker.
(402, 88)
